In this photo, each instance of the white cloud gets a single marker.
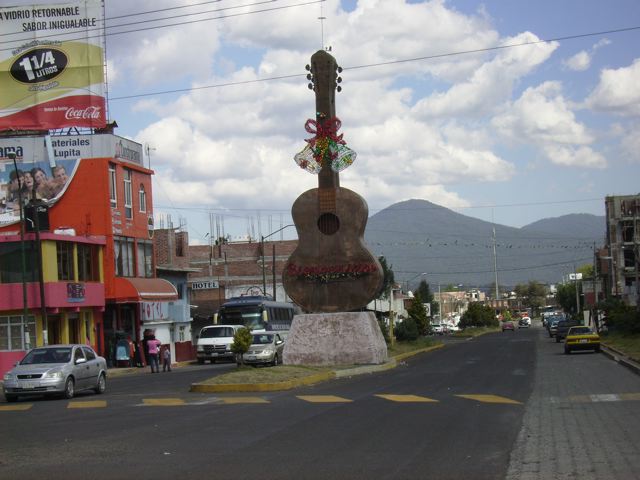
(491, 83)
(579, 62)
(575, 156)
(617, 91)
(631, 145)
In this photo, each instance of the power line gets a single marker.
(220, 17)
(390, 62)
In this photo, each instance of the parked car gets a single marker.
(563, 327)
(552, 324)
(266, 348)
(524, 322)
(214, 343)
(581, 338)
(438, 328)
(508, 325)
(56, 370)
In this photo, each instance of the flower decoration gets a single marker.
(325, 148)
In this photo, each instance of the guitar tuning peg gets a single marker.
(309, 76)
(339, 69)
(339, 79)
(310, 86)
(307, 67)
(339, 88)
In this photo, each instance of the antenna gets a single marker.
(149, 149)
(322, 18)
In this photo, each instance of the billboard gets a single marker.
(52, 66)
(45, 165)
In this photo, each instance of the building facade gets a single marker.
(106, 193)
(623, 242)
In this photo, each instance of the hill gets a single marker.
(580, 225)
(417, 236)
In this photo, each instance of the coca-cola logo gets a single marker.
(79, 113)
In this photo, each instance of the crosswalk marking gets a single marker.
(16, 408)
(236, 400)
(88, 404)
(490, 399)
(163, 402)
(407, 398)
(323, 399)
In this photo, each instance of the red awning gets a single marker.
(143, 290)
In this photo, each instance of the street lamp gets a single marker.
(408, 282)
(264, 278)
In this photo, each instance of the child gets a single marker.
(166, 359)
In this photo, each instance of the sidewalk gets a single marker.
(621, 358)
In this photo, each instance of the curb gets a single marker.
(309, 380)
(621, 358)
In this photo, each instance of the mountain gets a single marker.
(417, 236)
(580, 225)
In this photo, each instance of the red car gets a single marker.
(508, 325)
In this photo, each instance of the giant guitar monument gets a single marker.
(331, 274)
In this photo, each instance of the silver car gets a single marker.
(56, 370)
(266, 348)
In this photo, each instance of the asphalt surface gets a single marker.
(505, 405)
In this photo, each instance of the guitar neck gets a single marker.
(324, 68)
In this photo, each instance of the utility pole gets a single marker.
(25, 313)
(495, 266)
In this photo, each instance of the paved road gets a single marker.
(487, 408)
(582, 420)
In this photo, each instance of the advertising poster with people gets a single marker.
(29, 179)
(52, 66)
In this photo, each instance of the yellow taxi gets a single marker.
(581, 338)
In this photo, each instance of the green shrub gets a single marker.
(241, 342)
(407, 330)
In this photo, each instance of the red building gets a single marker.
(105, 199)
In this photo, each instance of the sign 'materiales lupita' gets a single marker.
(331, 270)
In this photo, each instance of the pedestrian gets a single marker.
(154, 348)
(166, 359)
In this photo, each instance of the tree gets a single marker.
(532, 295)
(566, 297)
(478, 315)
(425, 292)
(586, 270)
(387, 278)
(418, 313)
(241, 342)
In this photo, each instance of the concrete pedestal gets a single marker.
(347, 338)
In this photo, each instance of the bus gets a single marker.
(257, 313)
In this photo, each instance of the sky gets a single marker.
(507, 111)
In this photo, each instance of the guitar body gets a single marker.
(331, 270)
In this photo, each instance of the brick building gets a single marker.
(234, 269)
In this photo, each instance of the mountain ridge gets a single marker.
(418, 236)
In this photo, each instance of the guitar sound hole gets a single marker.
(328, 223)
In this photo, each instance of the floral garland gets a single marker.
(325, 148)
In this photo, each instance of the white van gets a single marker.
(215, 341)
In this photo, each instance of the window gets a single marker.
(128, 195)
(16, 334)
(89, 353)
(11, 261)
(145, 258)
(124, 256)
(112, 185)
(88, 269)
(142, 198)
(64, 251)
